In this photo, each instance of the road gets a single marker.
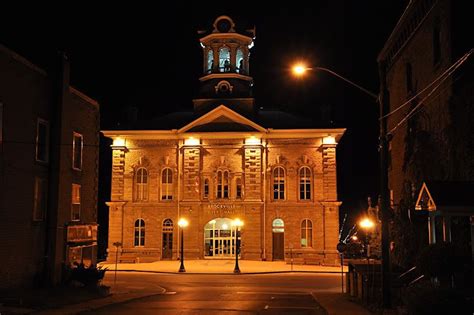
(292, 293)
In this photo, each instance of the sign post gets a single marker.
(117, 245)
(291, 256)
(341, 248)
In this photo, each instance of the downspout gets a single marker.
(179, 190)
(265, 201)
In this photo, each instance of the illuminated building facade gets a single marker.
(225, 160)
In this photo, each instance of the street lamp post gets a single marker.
(382, 102)
(237, 223)
(182, 223)
(367, 225)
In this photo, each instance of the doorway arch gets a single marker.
(278, 239)
(167, 243)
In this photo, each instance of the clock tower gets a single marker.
(225, 79)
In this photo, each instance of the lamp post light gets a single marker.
(237, 223)
(182, 223)
(381, 100)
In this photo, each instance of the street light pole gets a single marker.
(382, 101)
(237, 223)
(182, 224)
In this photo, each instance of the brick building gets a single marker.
(49, 134)
(431, 109)
(225, 160)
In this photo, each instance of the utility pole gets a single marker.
(383, 100)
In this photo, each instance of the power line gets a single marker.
(421, 103)
(456, 64)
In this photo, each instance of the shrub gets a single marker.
(89, 277)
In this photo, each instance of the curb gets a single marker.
(221, 273)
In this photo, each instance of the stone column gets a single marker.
(330, 204)
(117, 202)
(432, 227)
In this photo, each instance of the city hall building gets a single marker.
(223, 161)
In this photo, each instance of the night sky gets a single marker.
(149, 57)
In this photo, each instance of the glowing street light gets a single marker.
(299, 69)
(237, 223)
(182, 223)
(366, 223)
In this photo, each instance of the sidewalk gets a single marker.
(221, 267)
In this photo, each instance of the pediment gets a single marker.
(222, 119)
(425, 200)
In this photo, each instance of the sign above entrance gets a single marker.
(221, 209)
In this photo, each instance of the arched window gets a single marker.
(168, 226)
(238, 191)
(210, 60)
(206, 188)
(222, 184)
(305, 183)
(278, 226)
(306, 233)
(139, 232)
(224, 59)
(142, 184)
(239, 61)
(167, 184)
(278, 183)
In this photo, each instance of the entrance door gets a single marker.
(219, 238)
(278, 228)
(167, 244)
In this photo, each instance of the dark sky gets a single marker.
(149, 56)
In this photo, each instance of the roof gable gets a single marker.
(425, 201)
(222, 118)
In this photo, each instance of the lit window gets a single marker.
(76, 202)
(238, 192)
(224, 59)
(305, 183)
(278, 183)
(139, 233)
(168, 226)
(239, 61)
(222, 184)
(77, 151)
(210, 60)
(142, 184)
(306, 233)
(42, 140)
(167, 184)
(206, 188)
(39, 207)
(278, 226)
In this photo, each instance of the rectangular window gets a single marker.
(42, 140)
(40, 199)
(77, 151)
(76, 202)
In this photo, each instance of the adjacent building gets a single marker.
(225, 160)
(430, 114)
(49, 137)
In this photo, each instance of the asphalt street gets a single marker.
(292, 293)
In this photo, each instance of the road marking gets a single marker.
(170, 292)
(292, 307)
(266, 307)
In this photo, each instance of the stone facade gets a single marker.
(222, 165)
